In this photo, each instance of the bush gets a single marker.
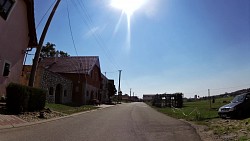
(23, 98)
(37, 99)
(17, 98)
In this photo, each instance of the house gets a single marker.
(107, 89)
(125, 98)
(104, 90)
(112, 91)
(59, 88)
(147, 98)
(135, 99)
(17, 33)
(83, 71)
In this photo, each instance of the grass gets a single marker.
(196, 111)
(69, 108)
(199, 111)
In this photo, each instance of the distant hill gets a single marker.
(235, 93)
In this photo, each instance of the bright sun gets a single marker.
(127, 6)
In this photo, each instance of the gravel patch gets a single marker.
(35, 116)
(224, 130)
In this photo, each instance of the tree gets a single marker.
(63, 54)
(49, 51)
(111, 89)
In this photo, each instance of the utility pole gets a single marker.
(119, 86)
(133, 96)
(130, 95)
(39, 47)
(209, 98)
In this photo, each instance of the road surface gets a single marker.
(124, 122)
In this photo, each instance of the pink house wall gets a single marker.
(14, 40)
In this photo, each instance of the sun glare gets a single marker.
(127, 6)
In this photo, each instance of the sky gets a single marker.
(164, 46)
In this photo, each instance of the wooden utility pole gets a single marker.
(209, 97)
(39, 47)
(130, 95)
(119, 87)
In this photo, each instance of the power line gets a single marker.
(88, 21)
(71, 29)
(45, 14)
(73, 41)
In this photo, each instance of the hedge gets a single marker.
(37, 99)
(22, 98)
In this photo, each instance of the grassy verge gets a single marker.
(69, 108)
(200, 112)
(196, 111)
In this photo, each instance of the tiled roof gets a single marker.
(72, 64)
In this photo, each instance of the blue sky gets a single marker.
(175, 45)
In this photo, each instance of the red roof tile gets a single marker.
(72, 64)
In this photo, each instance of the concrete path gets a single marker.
(124, 122)
(7, 121)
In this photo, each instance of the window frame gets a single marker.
(5, 14)
(51, 91)
(65, 93)
(3, 68)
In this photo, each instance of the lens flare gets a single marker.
(128, 7)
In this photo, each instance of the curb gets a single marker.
(50, 120)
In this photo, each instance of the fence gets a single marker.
(168, 100)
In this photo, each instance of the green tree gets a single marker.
(111, 90)
(63, 54)
(49, 51)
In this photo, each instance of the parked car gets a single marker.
(239, 107)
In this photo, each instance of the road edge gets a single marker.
(50, 120)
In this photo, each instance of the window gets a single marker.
(51, 91)
(77, 89)
(65, 93)
(6, 69)
(5, 7)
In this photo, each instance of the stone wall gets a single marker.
(57, 86)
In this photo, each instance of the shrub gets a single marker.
(17, 98)
(37, 99)
(23, 98)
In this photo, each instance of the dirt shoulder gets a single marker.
(223, 129)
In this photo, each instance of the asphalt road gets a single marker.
(124, 122)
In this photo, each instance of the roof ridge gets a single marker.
(82, 56)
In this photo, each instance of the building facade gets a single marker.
(147, 97)
(104, 90)
(83, 71)
(59, 88)
(17, 33)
